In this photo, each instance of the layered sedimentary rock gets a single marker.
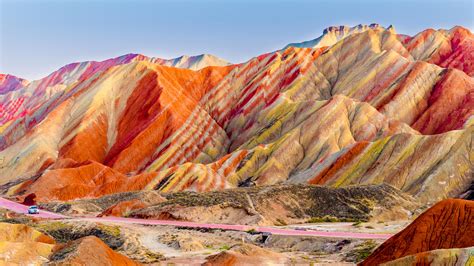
(366, 106)
(86, 251)
(20, 98)
(429, 167)
(22, 233)
(122, 122)
(23, 245)
(287, 204)
(246, 254)
(446, 225)
(265, 205)
(446, 48)
(455, 257)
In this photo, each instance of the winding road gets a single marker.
(19, 208)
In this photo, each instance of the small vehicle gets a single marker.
(33, 209)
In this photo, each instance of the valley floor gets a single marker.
(179, 245)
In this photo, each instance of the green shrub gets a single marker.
(361, 251)
(330, 219)
(225, 247)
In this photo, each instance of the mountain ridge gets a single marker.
(334, 116)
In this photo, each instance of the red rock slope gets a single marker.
(89, 250)
(370, 107)
(448, 224)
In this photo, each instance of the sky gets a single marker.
(39, 36)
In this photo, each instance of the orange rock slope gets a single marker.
(455, 256)
(89, 250)
(446, 225)
(245, 254)
(358, 106)
(23, 245)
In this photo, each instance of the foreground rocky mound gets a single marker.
(245, 254)
(455, 257)
(446, 225)
(283, 204)
(89, 250)
(270, 205)
(23, 245)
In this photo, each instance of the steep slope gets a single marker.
(21, 99)
(196, 62)
(446, 225)
(333, 34)
(10, 83)
(88, 179)
(88, 250)
(429, 167)
(455, 257)
(125, 119)
(379, 71)
(246, 254)
(370, 108)
(9, 110)
(22, 233)
(446, 48)
(298, 136)
(21, 244)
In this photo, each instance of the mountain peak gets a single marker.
(333, 34)
(195, 62)
(347, 29)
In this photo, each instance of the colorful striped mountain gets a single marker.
(358, 105)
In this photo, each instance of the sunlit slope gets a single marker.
(372, 107)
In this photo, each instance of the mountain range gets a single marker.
(361, 124)
(358, 105)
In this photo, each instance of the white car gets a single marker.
(33, 209)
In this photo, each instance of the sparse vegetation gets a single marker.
(318, 253)
(47, 227)
(330, 219)
(280, 222)
(111, 230)
(63, 253)
(152, 257)
(224, 247)
(361, 251)
(252, 231)
(64, 232)
(357, 224)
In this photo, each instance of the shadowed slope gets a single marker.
(89, 250)
(115, 120)
(350, 113)
(454, 256)
(448, 224)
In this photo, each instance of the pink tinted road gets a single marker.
(237, 227)
(19, 208)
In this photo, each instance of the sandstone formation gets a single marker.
(22, 233)
(455, 257)
(89, 251)
(282, 204)
(23, 245)
(361, 105)
(446, 225)
(245, 254)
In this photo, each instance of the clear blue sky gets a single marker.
(37, 37)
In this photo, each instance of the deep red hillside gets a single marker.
(448, 224)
